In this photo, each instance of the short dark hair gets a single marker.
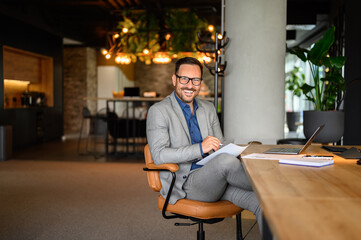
(190, 61)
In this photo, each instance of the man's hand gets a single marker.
(210, 143)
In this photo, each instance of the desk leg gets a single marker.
(133, 127)
(266, 232)
(127, 129)
(115, 140)
(106, 134)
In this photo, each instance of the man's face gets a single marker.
(187, 92)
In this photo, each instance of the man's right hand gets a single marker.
(210, 143)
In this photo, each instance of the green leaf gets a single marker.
(326, 62)
(337, 62)
(321, 47)
(299, 52)
(306, 88)
(297, 92)
(335, 78)
(310, 99)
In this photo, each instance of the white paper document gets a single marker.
(307, 162)
(231, 148)
(292, 159)
(265, 156)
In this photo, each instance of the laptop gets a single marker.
(295, 151)
(131, 92)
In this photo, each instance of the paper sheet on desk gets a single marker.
(292, 159)
(267, 156)
(231, 148)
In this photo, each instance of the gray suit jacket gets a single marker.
(170, 142)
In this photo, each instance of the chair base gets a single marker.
(200, 233)
(200, 222)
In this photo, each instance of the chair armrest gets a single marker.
(172, 167)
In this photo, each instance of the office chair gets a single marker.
(197, 211)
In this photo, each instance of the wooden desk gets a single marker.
(307, 202)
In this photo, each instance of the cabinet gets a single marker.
(31, 72)
(34, 125)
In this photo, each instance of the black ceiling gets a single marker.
(88, 21)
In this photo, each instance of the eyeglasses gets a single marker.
(184, 80)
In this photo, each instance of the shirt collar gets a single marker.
(183, 105)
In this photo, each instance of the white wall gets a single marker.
(254, 80)
(111, 78)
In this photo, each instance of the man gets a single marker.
(182, 129)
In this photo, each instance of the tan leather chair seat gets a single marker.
(202, 210)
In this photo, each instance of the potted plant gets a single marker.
(326, 91)
(294, 81)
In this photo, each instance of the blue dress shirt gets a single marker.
(193, 127)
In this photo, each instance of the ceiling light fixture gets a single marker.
(210, 28)
(161, 58)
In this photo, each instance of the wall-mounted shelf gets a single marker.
(35, 70)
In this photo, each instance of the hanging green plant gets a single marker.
(184, 25)
(175, 31)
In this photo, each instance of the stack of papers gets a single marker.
(293, 160)
(307, 162)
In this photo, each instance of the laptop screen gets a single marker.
(131, 91)
(312, 137)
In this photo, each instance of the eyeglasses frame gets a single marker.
(189, 79)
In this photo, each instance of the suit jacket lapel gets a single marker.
(202, 121)
(180, 115)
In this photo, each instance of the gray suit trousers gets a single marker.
(223, 178)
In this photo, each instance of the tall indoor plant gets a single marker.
(294, 81)
(327, 89)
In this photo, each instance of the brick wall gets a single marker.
(79, 81)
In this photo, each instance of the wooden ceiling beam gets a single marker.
(130, 3)
(113, 3)
(75, 3)
(120, 3)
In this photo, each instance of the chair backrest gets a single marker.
(100, 122)
(113, 125)
(118, 126)
(86, 113)
(153, 176)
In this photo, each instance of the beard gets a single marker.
(184, 99)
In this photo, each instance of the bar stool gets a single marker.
(99, 130)
(85, 115)
(98, 127)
